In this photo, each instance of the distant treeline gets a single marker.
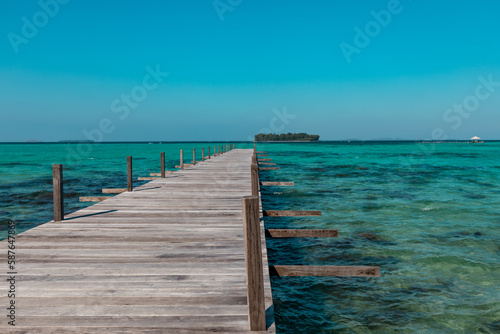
(286, 137)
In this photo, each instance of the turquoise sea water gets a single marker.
(427, 214)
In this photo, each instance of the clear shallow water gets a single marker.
(428, 215)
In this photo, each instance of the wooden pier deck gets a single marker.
(165, 258)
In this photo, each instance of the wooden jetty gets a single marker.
(167, 257)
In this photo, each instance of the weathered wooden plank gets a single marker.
(114, 190)
(167, 172)
(294, 233)
(276, 183)
(260, 152)
(167, 257)
(352, 271)
(147, 178)
(267, 163)
(269, 159)
(94, 198)
(269, 168)
(291, 213)
(262, 155)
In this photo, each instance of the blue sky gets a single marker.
(239, 67)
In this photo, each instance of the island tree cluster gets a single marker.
(286, 137)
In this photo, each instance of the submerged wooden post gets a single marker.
(253, 263)
(209, 152)
(57, 180)
(202, 154)
(162, 158)
(129, 174)
(194, 156)
(255, 179)
(182, 160)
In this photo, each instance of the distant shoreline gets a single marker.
(256, 142)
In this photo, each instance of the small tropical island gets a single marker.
(286, 137)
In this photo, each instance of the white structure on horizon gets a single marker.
(475, 139)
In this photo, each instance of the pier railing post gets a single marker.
(202, 154)
(194, 156)
(162, 158)
(209, 152)
(130, 187)
(253, 263)
(57, 180)
(255, 179)
(182, 160)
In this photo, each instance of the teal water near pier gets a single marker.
(427, 214)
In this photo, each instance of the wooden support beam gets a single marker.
(253, 264)
(209, 152)
(194, 156)
(148, 178)
(114, 191)
(260, 151)
(259, 160)
(290, 213)
(94, 198)
(202, 154)
(267, 163)
(162, 164)
(181, 164)
(277, 183)
(293, 233)
(167, 172)
(349, 271)
(58, 192)
(262, 155)
(130, 187)
(269, 168)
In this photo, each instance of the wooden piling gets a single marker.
(57, 180)
(129, 174)
(181, 165)
(202, 154)
(253, 263)
(194, 156)
(255, 179)
(162, 158)
(209, 152)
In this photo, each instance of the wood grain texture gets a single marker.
(276, 183)
(167, 257)
(114, 190)
(291, 213)
(349, 271)
(269, 168)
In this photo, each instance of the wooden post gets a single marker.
(162, 158)
(209, 152)
(182, 159)
(254, 160)
(254, 149)
(255, 179)
(194, 156)
(129, 174)
(202, 154)
(253, 263)
(57, 180)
